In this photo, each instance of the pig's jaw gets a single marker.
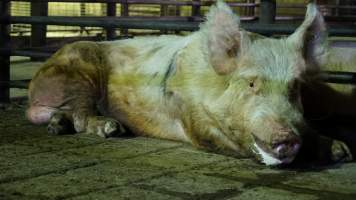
(268, 159)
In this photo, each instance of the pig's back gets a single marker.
(143, 55)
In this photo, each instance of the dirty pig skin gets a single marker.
(220, 88)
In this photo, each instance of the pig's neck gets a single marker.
(205, 116)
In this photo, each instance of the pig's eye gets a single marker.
(252, 84)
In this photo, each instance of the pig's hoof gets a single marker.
(340, 152)
(104, 127)
(55, 129)
(59, 125)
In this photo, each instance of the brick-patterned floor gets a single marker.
(35, 165)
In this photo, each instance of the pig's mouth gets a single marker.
(275, 154)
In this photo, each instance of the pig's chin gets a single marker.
(267, 157)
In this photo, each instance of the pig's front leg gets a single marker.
(60, 124)
(340, 152)
(103, 126)
(85, 121)
(325, 150)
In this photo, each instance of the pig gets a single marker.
(220, 88)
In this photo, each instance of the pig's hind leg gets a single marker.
(87, 119)
(83, 117)
(69, 88)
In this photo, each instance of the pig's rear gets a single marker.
(73, 75)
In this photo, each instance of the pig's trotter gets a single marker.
(59, 124)
(340, 152)
(104, 127)
(80, 120)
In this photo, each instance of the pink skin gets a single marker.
(287, 151)
(292, 150)
(40, 114)
(43, 103)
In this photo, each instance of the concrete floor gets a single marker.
(35, 165)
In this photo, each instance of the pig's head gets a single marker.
(264, 77)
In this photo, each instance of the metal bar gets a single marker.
(138, 18)
(124, 13)
(29, 53)
(160, 2)
(267, 11)
(164, 13)
(38, 31)
(196, 8)
(117, 22)
(5, 59)
(337, 77)
(111, 12)
(107, 22)
(22, 84)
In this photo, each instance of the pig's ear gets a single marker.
(223, 38)
(311, 37)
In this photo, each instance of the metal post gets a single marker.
(38, 32)
(111, 12)
(124, 13)
(178, 12)
(5, 58)
(196, 8)
(267, 11)
(164, 12)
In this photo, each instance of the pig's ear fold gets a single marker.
(311, 37)
(223, 38)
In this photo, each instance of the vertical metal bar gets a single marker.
(38, 32)
(124, 13)
(5, 58)
(267, 11)
(164, 12)
(196, 8)
(337, 11)
(82, 14)
(251, 10)
(111, 12)
(178, 12)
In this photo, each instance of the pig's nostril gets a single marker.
(296, 147)
(280, 149)
(286, 149)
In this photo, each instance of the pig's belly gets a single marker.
(146, 111)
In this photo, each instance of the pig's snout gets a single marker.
(286, 149)
(282, 150)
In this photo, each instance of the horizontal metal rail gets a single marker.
(21, 84)
(337, 77)
(156, 24)
(158, 2)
